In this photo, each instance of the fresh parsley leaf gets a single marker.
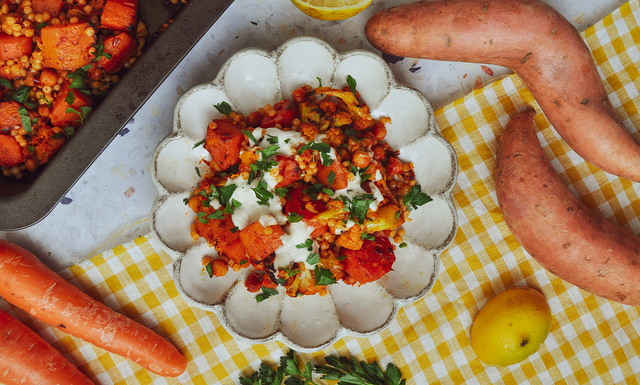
(402, 245)
(234, 230)
(269, 151)
(68, 131)
(266, 293)
(186, 201)
(331, 178)
(39, 26)
(323, 276)
(234, 204)
(204, 218)
(21, 94)
(352, 84)
(319, 81)
(415, 198)
(313, 258)
(224, 108)
(6, 84)
(308, 243)
(249, 135)
(294, 217)
(350, 132)
(198, 171)
(77, 82)
(272, 139)
(262, 193)
(281, 191)
(358, 206)
(100, 51)
(225, 193)
(198, 144)
(25, 118)
(370, 237)
(209, 269)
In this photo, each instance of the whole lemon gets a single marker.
(511, 326)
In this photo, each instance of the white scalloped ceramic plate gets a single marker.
(249, 80)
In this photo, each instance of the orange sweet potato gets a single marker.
(120, 15)
(121, 47)
(11, 153)
(60, 116)
(260, 242)
(216, 230)
(535, 41)
(223, 142)
(554, 227)
(67, 46)
(289, 170)
(52, 6)
(235, 251)
(12, 47)
(340, 179)
(9, 116)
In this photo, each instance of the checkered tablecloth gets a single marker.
(592, 340)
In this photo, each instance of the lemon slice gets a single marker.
(331, 9)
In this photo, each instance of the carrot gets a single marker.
(28, 284)
(223, 142)
(11, 153)
(554, 227)
(67, 46)
(120, 15)
(52, 6)
(121, 47)
(61, 115)
(260, 241)
(27, 359)
(9, 116)
(12, 47)
(537, 43)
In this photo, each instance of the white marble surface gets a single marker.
(111, 202)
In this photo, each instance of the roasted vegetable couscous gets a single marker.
(306, 192)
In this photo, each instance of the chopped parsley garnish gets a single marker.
(352, 84)
(200, 143)
(319, 81)
(262, 193)
(265, 164)
(323, 276)
(416, 198)
(331, 178)
(83, 113)
(281, 191)
(358, 206)
(367, 236)
(6, 84)
(234, 230)
(266, 293)
(249, 135)
(313, 258)
(308, 244)
(294, 217)
(100, 51)
(198, 171)
(402, 245)
(71, 97)
(222, 194)
(209, 269)
(22, 94)
(204, 218)
(272, 139)
(313, 190)
(223, 108)
(234, 204)
(25, 118)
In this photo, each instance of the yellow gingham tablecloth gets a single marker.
(592, 340)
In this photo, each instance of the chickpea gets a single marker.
(361, 159)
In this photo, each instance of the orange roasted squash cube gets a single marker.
(60, 115)
(260, 241)
(12, 47)
(223, 141)
(9, 116)
(120, 15)
(121, 47)
(53, 7)
(67, 46)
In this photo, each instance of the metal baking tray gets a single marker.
(26, 201)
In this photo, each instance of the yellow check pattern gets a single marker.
(592, 340)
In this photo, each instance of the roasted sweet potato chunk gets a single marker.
(340, 179)
(67, 46)
(371, 262)
(9, 116)
(223, 142)
(121, 47)
(260, 241)
(120, 15)
(61, 116)
(284, 113)
(12, 47)
(52, 6)
(289, 170)
(11, 153)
